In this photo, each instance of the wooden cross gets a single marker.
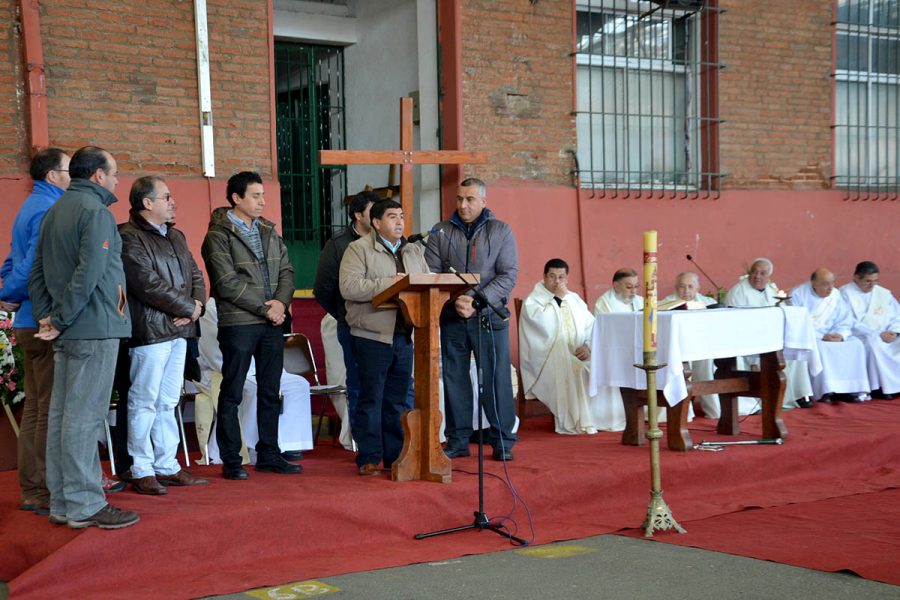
(406, 157)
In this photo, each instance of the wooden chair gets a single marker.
(299, 360)
(525, 408)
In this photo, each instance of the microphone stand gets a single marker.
(719, 297)
(481, 521)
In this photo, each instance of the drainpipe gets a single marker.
(204, 95)
(38, 122)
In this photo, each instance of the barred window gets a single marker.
(647, 113)
(867, 97)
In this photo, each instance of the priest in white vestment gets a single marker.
(876, 320)
(609, 412)
(756, 289)
(554, 332)
(623, 296)
(687, 287)
(843, 356)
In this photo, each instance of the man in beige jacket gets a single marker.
(382, 340)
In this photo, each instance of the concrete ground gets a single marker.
(606, 566)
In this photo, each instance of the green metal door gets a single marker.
(309, 109)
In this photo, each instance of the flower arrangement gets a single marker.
(12, 364)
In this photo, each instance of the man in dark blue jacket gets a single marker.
(77, 286)
(472, 240)
(50, 172)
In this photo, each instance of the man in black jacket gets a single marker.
(328, 293)
(166, 295)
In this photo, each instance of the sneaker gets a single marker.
(108, 517)
(58, 519)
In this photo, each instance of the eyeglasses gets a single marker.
(167, 197)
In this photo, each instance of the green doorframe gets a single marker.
(309, 109)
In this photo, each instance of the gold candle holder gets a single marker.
(659, 517)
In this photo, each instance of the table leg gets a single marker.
(677, 433)
(772, 384)
(634, 419)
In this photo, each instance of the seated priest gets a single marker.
(843, 357)
(609, 413)
(554, 334)
(294, 423)
(876, 320)
(623, 296)
(687, 288)
(756, 289)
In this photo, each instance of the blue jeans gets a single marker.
(82, 387)
(384, 372)
(459, 338)
(265, 344)
(157, 374)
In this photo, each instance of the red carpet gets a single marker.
(231, 536)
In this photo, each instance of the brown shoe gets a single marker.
(148, 485)
(182, 477)
(370, 469)
(108, 517)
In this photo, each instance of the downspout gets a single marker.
(204, 93)
(38, 121)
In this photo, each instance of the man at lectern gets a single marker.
(382, 340)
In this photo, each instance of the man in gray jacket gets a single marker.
(472, 240)
(252, 280)
(77, 287)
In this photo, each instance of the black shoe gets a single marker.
(826, 399)
(276, 464)
(457, 452)
(237, 473)
(851, 399)
(504, 454)
(292, 455)
(805, 403)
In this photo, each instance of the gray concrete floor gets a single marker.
(606, 566)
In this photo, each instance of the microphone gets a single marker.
(480, 300)
(421, 238)
(699, 268)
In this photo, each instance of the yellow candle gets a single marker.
(650, 291)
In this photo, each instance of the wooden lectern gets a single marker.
(421, 296)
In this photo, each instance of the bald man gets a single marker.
(843, 356)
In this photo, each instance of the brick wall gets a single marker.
(13, 101)
(776, 93)
(123, 76)
(517, 87)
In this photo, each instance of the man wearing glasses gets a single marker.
(77, 286)
(876, 320)
(50, 172)
(166, 295)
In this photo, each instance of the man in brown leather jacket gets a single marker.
(166, 295)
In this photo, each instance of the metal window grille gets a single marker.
(867, 98)
(309, 105)
(647, 97)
